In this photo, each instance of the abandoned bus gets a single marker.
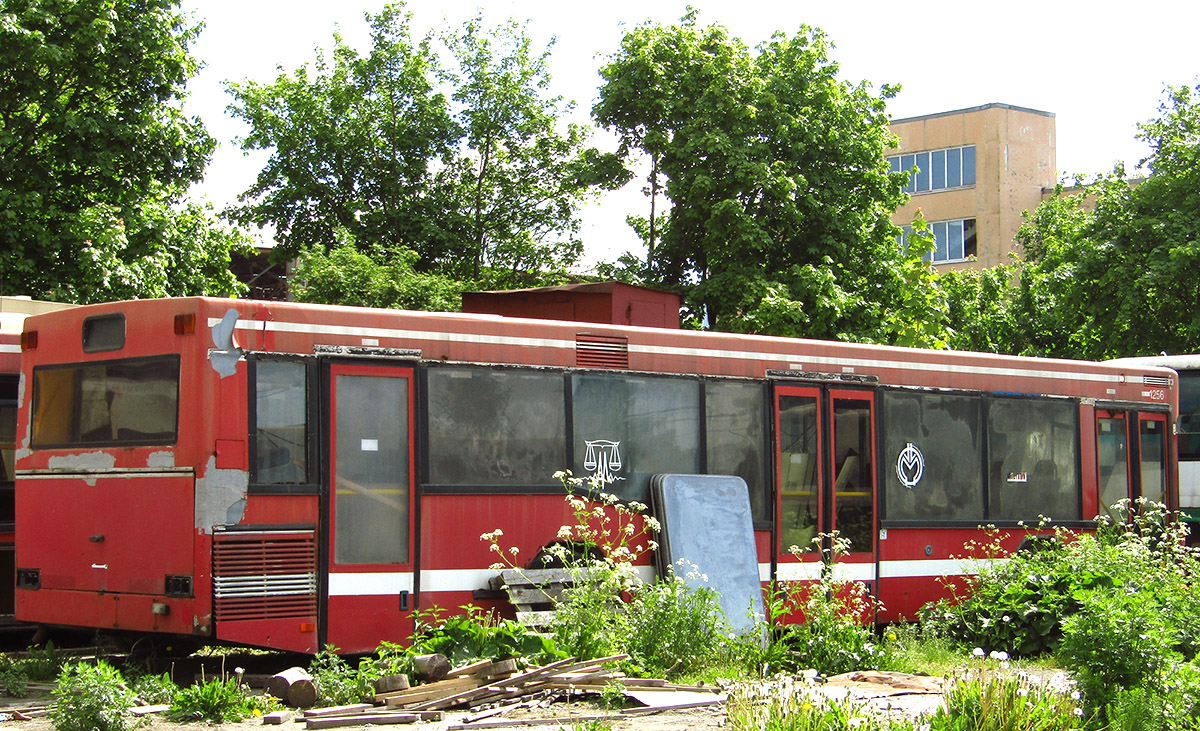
(289, 475)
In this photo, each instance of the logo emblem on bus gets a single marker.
(910, 465)
(603, 459)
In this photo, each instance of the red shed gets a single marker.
(613, 303)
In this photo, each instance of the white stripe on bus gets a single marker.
(807, 360)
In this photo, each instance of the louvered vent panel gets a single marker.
(601, 351)
(1156, 380)
(264, 574)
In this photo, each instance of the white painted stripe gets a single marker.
(811, 571)
(807, 571)
(456, 579)
(383, 332)
(102, 473)
(9, 348)
(847, 364)
(472, 579)
(935, 567)
(370, 584)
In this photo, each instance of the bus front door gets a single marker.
(369, 578)
(825, 464)
(1131, 459)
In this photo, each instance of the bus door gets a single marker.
(825, 472)
(1131, 458)
(368, 508)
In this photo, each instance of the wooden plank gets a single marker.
(147, 710)
(535, 594)
(430, 690)
(492, 687)
(277, 718)
(338, 710)
(362, 719)
(536, 619)
(523, 683)
(471, 669)
(566, 721)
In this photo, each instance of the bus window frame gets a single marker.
(551, 488)
(987, 399)
(35, 400)
(312, 485)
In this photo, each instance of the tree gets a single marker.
(522, 179)
(356, 144)
(381, 278)
(780, 196)
(95, 150)
(1114, 270)
(467, 166)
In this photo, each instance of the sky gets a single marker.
(1100, 67)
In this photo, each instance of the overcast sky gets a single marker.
(1100, 67)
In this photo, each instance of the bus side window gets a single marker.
(281, 422)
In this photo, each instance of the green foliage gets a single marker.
(824, 626)
(95, 154)
(218, 700)
(780, 198)
(347, 275)
(91, 698)
(476, 635)
(1117, 641)
(1000, 701)
(351, 140)
(14, 680)
(44, 662)
(154, 689)
(1021, 605)
(462, 161)
(1172, 706)
(791, 704)
(673, 627)
(338, 683)
(1109, 266)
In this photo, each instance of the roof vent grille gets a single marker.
(601, 351)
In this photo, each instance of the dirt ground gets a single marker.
(883, 693)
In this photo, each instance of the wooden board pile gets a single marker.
(487, 689)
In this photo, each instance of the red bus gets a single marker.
(13, 311)
(288, 475)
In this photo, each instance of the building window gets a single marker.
(952, 240)
(953, 167)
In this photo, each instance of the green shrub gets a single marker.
(43, 663)
(219, 700)
(1116, 642)
(155, 689)
(836, 631)
(791, 704)
(1172, 706)
(1019, 605)
(674, 628)
(338, 683)
(91, 698)
(478, 635)
(13, 681)
(991, 701)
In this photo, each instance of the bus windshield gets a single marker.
(106, 403)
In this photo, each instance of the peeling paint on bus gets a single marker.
(161, 459)
(220, 496)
